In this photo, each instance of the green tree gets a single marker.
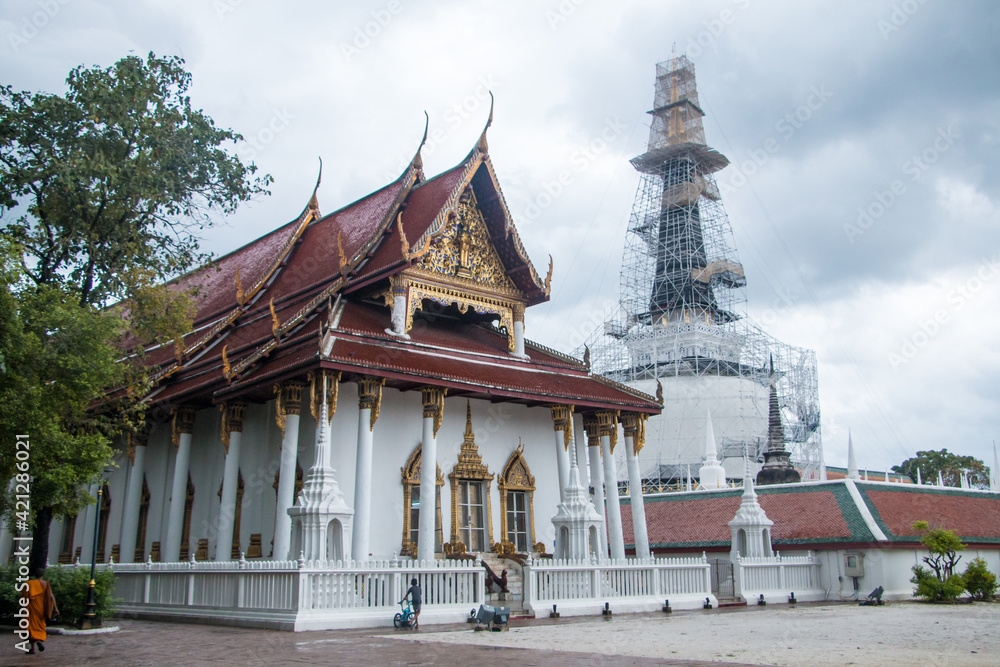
(104, 189)
(115, 176)
(979, 581)
(943, 545)
(949, 465)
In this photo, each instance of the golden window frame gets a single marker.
(410, 477)
(511, 481)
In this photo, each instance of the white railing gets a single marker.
(299, 594)
(777, 577)
(583, 586)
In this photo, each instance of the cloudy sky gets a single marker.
(864, 138)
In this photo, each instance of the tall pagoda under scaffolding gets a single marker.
(682, 317)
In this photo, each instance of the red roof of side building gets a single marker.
(811, 514)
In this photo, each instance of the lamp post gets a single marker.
(89, 619)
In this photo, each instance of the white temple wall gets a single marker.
(398, 431)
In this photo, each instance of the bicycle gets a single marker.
(404, 619)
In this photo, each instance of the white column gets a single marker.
(133, 498)
(597, 480)
(235, 412)
(519, 340)
(87, 529)
(369, 400)
(616, 540)
(291, 394)
(634, 431)
(184, 427)
(562, 420)
(433, 399)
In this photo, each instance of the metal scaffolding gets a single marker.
(682, 310)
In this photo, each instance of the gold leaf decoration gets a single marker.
(240, 296)
(340, 253)
(227, 370)
(275, 325)
(548, 278)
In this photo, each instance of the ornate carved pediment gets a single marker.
(464, 250)
(461, 267)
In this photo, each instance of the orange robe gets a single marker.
(41, 607)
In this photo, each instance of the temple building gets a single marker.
(330, 360)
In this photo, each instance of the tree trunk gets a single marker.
(40, 539)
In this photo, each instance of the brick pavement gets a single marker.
(167, 644)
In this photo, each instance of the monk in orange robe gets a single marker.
(41, 607)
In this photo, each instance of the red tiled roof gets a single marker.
(470, 356)
(972, 515)
(801, 515)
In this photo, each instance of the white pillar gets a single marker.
(369, 401)
(87, 541)
(562, 421)
(597, 480)
(291, 394)
(184, 427)
(635, 436)
(616, 540)
(133, 498)
(519, 342)
(6, 543)
(433, 400)
(235, 412)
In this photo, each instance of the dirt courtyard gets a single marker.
(821, 634)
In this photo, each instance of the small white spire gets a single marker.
(852, 463)
(994, 476)
(940, 479)
(920, 481)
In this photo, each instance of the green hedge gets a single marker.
(69, 585)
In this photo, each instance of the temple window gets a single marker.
(411, 499)
(517, 487)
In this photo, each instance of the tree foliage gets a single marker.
(944, 584)
(115, 176)
(949, 465)
(103, 189)
(979, 581)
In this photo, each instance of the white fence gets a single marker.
(299, 595)
(777, 577)
(584, 586)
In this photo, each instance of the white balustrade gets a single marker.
(580, 587)
(777, 577)
(299, 594)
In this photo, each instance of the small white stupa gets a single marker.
(852, 462)
(751, 529)
(711, 475)
(577, 523)
(321, 520)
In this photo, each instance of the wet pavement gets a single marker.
(161, 644)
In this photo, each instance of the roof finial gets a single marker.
(418, 161)
(314, 200)
(481, 144)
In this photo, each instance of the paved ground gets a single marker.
(804, 636)
(165, 644)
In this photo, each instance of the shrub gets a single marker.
(70, 584)
(979, 581)
(933, 589)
